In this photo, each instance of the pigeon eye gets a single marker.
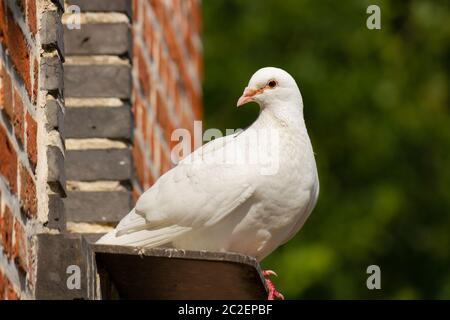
(272, 84)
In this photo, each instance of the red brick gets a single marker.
(160, 108)
(168, 131)
(162, 117)
(6, 94)
(8, 165)
(148, 36)
(144, 75)
(157, 7)
(166, 163)
(35, 80)
(177, 99)
(196, 17)
(189, 44)
(19, 249)
(138, 164)
(11, 293)
(136, 7)
(7, 291)
(163, 18)
(3, 25)
(197, 61)
(135, 194)
(31, 140)
(18, 117)
(28, 200)
(18, 51)
(3, 280)
(195, 103)
(149, 139)
(162, 68)
(136, 110)
(1, 86)
(161, 56)
(172, 46)
(6, 231)
(149, 181)
(186, 122)
(143, 122)
(31, 16)
(135, 48)
(170, 84)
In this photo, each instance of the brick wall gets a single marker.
(167, 67)
(31, 146)
(132, 75)
(86, 117)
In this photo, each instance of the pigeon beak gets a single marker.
(247, 96)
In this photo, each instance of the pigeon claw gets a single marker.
(273, 293)
(268, 273)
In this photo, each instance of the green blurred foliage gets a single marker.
(377, 110)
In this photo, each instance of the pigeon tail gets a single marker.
(144, 238)
(135, 230)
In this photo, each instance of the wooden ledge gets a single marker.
(159, 273)
(71, 266)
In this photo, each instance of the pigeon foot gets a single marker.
(273, 292)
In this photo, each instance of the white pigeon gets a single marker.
(212, 201)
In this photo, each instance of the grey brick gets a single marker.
(97, 206)
(101, 38)
(98, 122)
(91, 165)
(97, 81)
(54, 115)
(51, 31)
(55, 162)
(51, 74)
(103, 5)
(55, 253)
(56, 215)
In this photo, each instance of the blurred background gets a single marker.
(377, 111)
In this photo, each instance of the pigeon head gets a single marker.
(270, 86)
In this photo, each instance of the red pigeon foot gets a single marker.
(273, 293)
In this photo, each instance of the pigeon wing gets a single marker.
(200, 191)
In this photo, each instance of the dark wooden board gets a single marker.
(158, 273)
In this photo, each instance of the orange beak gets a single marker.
(247, 96)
